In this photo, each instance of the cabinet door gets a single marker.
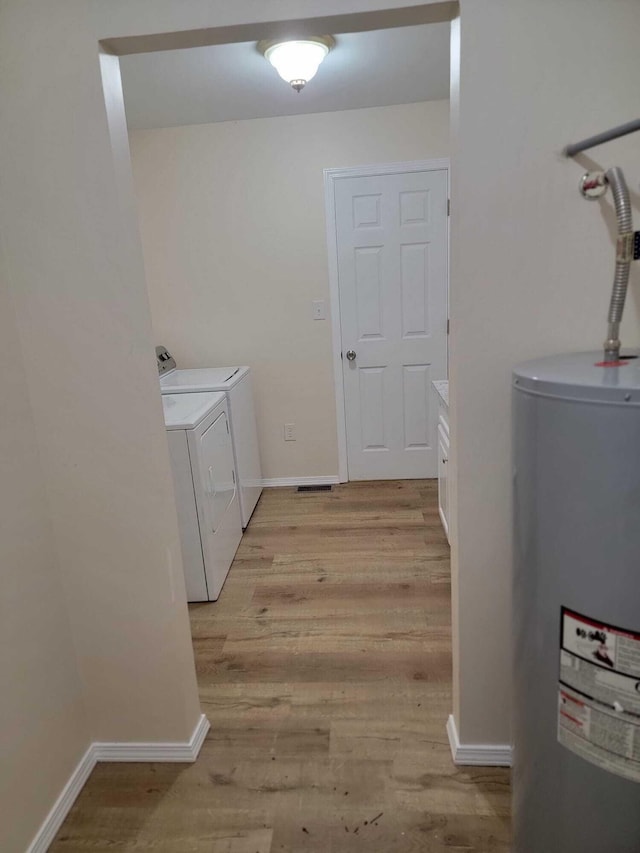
(443, 482)
(217, 470)
(191, 546)
(219, 506)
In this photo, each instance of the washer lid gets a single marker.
(186, 411)
(580, 376)
(201, 379)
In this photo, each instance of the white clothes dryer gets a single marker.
(235, 382)
(205, 487)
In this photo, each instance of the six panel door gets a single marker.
(392, 272)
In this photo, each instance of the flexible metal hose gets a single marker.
(616, 180)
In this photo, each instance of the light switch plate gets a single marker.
(319, 312)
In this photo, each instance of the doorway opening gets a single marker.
(234, 235)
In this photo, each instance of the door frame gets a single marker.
(331, 178)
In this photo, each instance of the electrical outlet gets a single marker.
(289, 432)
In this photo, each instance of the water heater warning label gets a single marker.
(599, 694)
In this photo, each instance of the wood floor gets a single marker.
(325, 670)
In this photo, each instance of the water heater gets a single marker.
(576, 605)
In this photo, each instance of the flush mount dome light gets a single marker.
(297, 61)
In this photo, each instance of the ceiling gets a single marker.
(233, 81)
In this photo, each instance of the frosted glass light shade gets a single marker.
(297, 61)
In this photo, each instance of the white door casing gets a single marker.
(389, 249)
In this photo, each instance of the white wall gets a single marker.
(94, 497)
(532, 266)
(533, 76)
(235, 251)
(131, 26)
(72, 261)
(43, 730)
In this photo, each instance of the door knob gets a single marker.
(351, 354)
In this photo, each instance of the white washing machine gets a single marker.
(236, 384)
(204, 479)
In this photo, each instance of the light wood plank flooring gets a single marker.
(325, 670)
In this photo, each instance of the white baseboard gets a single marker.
(275, 482)
(483, 754)
(63, 804)
(180, 751)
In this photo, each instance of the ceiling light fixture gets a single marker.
(297, 61)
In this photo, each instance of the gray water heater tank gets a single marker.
(576, 606)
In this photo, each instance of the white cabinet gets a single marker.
(442, 391)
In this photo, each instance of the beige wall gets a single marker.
(86, 484)
(72, 262)
(93, 611)
(75, 268)
(43, 726)
(529, 83)
(532, 266)
(125, 24)
(235, 251)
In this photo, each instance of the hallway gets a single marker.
(325, 671)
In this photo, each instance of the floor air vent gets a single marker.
(323, 488)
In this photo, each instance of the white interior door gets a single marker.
(392, 253)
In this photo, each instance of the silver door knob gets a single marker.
(351, 354)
